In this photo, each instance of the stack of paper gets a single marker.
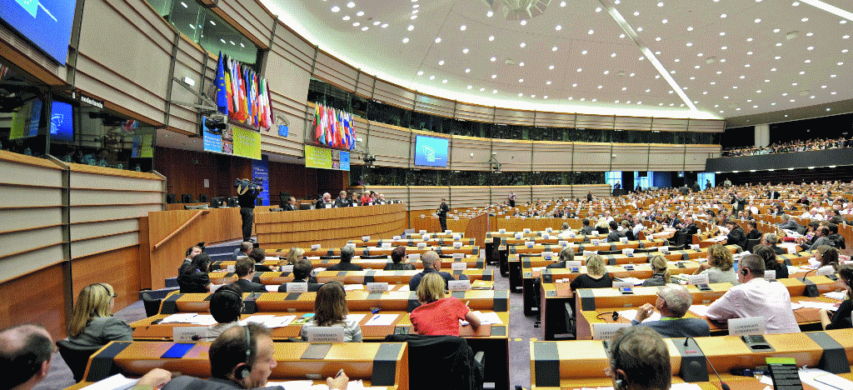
(823, 380)
(633, 280)
(115, 382)
(279, 322)
(631, 314)
(355, 317)
(179, 318)
(699, 310)
(257, 319)
(839, 295)
(819, 305)
(490, 318)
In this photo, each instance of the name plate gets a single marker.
(458, 255)
(297, 287)
(459, 285)
(365, 238)
(507, 217)
(697, 279)
(328, 206)
(457, 237)
(189, 334)
(623, 284)
(458, 266)
(414, 256)
(606, 331)
(770, 274)
(589, 253)
(529, 244)
(746, 326)
(426, 237)
(628, 252)
(448, 231)
(315, 247)
(663, 249)
(518, 236)
(825, 270)
(502, 231)
(325, 334)
(573, 264)
(377, 287)
(548, 255)
(422, 232)
(695, 247)
(546, 236)
(386, 244)
(623, 239)
(396, 238)
(549, 230)
(457, 245)
(594, 233)
(287, 268)
(421, 245)
(526, 230)
(230, 268)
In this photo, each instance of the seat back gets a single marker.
(152, 306)
(750, 244)
(449, 355)
(75, 357)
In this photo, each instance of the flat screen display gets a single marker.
(61, 122)
(431, 151)
(46, 23)
(232, 140)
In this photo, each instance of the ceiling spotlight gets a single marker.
(336, 9)
(551, 67)
(360, 13)
(462, 28)
(465, 51)
(467, 70)
(441, 62)
(438, 40)
(405, 40)
(491, 38)
(490, 13)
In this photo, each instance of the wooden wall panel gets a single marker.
(394, 95)
(22, 197)
(514, 155)
(290, 48)
(515, 117)
(24, 54)
(253, 18)
(552, 156)
(119, 268)
(469, 196)
(23, 263)
(546, 193)
(553, 119)
(592, 157)
(630, 157)
(471, 112)
(390, 145)
(24, 241)
(335, 72)
(98, 229)
(434, 106)
(36, 298)
(669, 124)
(666, 157)
(14, 220)
(427, 198)
(299, 181)
(696, 156)
(329, 228)
(365, 86)
(706, 125)
(632, 123)
(599, 190)
(194, 62)
(603, 122)
(500, 194)
(470, 153)
(91, 246)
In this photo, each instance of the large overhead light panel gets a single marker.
(519, 9)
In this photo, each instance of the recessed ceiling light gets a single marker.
(444, 81)
(664, 21)
(523, 22)
(802, 72)
(469, 87)
(548, 82)
(491, 38)
(551, 67)
(520, 94)
(785, 94)
(554, 48)
(772, 69)
(350, 5)
(482, 89)
(559, 27)
(843, 21)
(600, 86)
(638, 29)
(467, 70)
(359, 13)
(749, 53)
(465, 51)
(590, 32)
(441, 62)
(636, 13)
(580, 69)
(844, 51)
(432, 77)
(420, 73)
(723, 16)
(757, 20)
(722, 33)
(521, 64)
(845, 37)
(832, 93)
(413, 17)
(346, 17)
(384, 25)
(411, 27)
(660, 4)
(612, 55)
(438, 40)
(724, 48)
(656, 39)
(522, 45)
(520, 80)
(415, 6)
(493, 59)
(794, 4)
(364, 28)
(336, 9)
(622, 36)
(690, 28)
(597, 9)
(828, 110)
(840, 63)
(742, 76)
(804, 20)
(689, 44)
(575, 85)
(463, 27)
(832, 76)
(778, 44)
(494, 76)
(562, 4)
(493, 91)
(809, 34)
(490, 13)
(606, 72)
(677, 60)
(356, 24)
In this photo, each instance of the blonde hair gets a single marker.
(93, 302)
(292, 257)
(595, 265)
(431, 288)
(659, 263)
(720, 257)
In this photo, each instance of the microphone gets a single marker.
(807, 274)
(723, 385)
(196, 338)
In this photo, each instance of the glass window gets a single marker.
(612, 177)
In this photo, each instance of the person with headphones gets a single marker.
(92, 323)
(639, 360)
(756, 297)
(242, 357)
(226, 304)
(567, 254)
(192, 252)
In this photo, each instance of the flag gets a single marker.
(221, 91)
(235, 88)
(317, 122)
(244, 109)
(352, 133)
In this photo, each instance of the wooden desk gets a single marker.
(581, 363)
(505, 250)
(472, 262)
(441, 250)
(359, 360)
(349, 277)
(175, 302)
(413, 242)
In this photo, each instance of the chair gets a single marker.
(750, 244)
(76, 357)
(202, 198)
(152, 306)
(802, 229)
(450, 356)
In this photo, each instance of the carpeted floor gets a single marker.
(521, 331)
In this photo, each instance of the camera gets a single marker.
(255, 185)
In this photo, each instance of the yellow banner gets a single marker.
(247, 143)
(318, 157)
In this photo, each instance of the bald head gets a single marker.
(25, 355)
(678, 300)
(430, 259)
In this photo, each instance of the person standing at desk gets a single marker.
(512, 198)
(756, 297)
(247, 192)
(442, 211)
(92, 323)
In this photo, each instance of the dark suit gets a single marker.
(248, 286)
(262, 268)
(312, 287)
(321, 204)
(690, 229)
(779, 251)
(773, 195)
(443, 209)
(345, 266)
(674, 222)
(342, 202)
(753, 235)
(736, 237)
(614, 236)
(740, 203)
(188, 382)
(587, 230)
(289, 207)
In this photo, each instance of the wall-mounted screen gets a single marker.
(231, 140)
(46, 23)
(61, 122)
(326, 158)
(431, 151)
(26, 120)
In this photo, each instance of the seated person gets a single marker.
(719, 267)
(770, 240)
(756, 297)
(672, 304)
(330, 310)
(736, 235)
(242, 358)
(841, 317)
(192, 252)
(244, 249)
(567, 254)
(92, 323)
(585, 228)
(258, 255)
(615, 235)
(195, 279)
(397, 256)
(302, 274)
(660, 274)
(346, 261)
(25, 354)
(596, 276)
(639, 360)
(432, 263)
(827, 255)
(292, 257)
(753, 233)
(771, 262)
(245, 270)
(437, 315)
(226, 304)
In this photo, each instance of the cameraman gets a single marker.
(247, 192)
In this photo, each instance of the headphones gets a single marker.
(103, 286)
(615, 362)
(232, 292)
(243, 372)
(743, 271)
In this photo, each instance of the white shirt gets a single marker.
(757, 298)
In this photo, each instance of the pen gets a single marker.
(375, 317)
(375, 311)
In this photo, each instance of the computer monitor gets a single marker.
(170, 198)
(202, 198)
(186, 198)
(233, 202)
(305, 206)
(216, 202)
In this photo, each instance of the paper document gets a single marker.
(631, 314)
(404, 288)
(355, 317)
(279, 322)
(382, 319)
(699, 310)
(203, 319)
(684, 386)
(115, 382)
(353, 287)
(632, 280)
(818, 305)
(257, 319)
(823, 380)
(179, 318)
(271, 288)
(839, 295)
(489, 318)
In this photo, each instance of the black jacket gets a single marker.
(450, 356)
(248, 286)
(736, 237)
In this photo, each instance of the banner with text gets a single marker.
(323, 158)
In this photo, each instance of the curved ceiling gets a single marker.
(672, 58)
